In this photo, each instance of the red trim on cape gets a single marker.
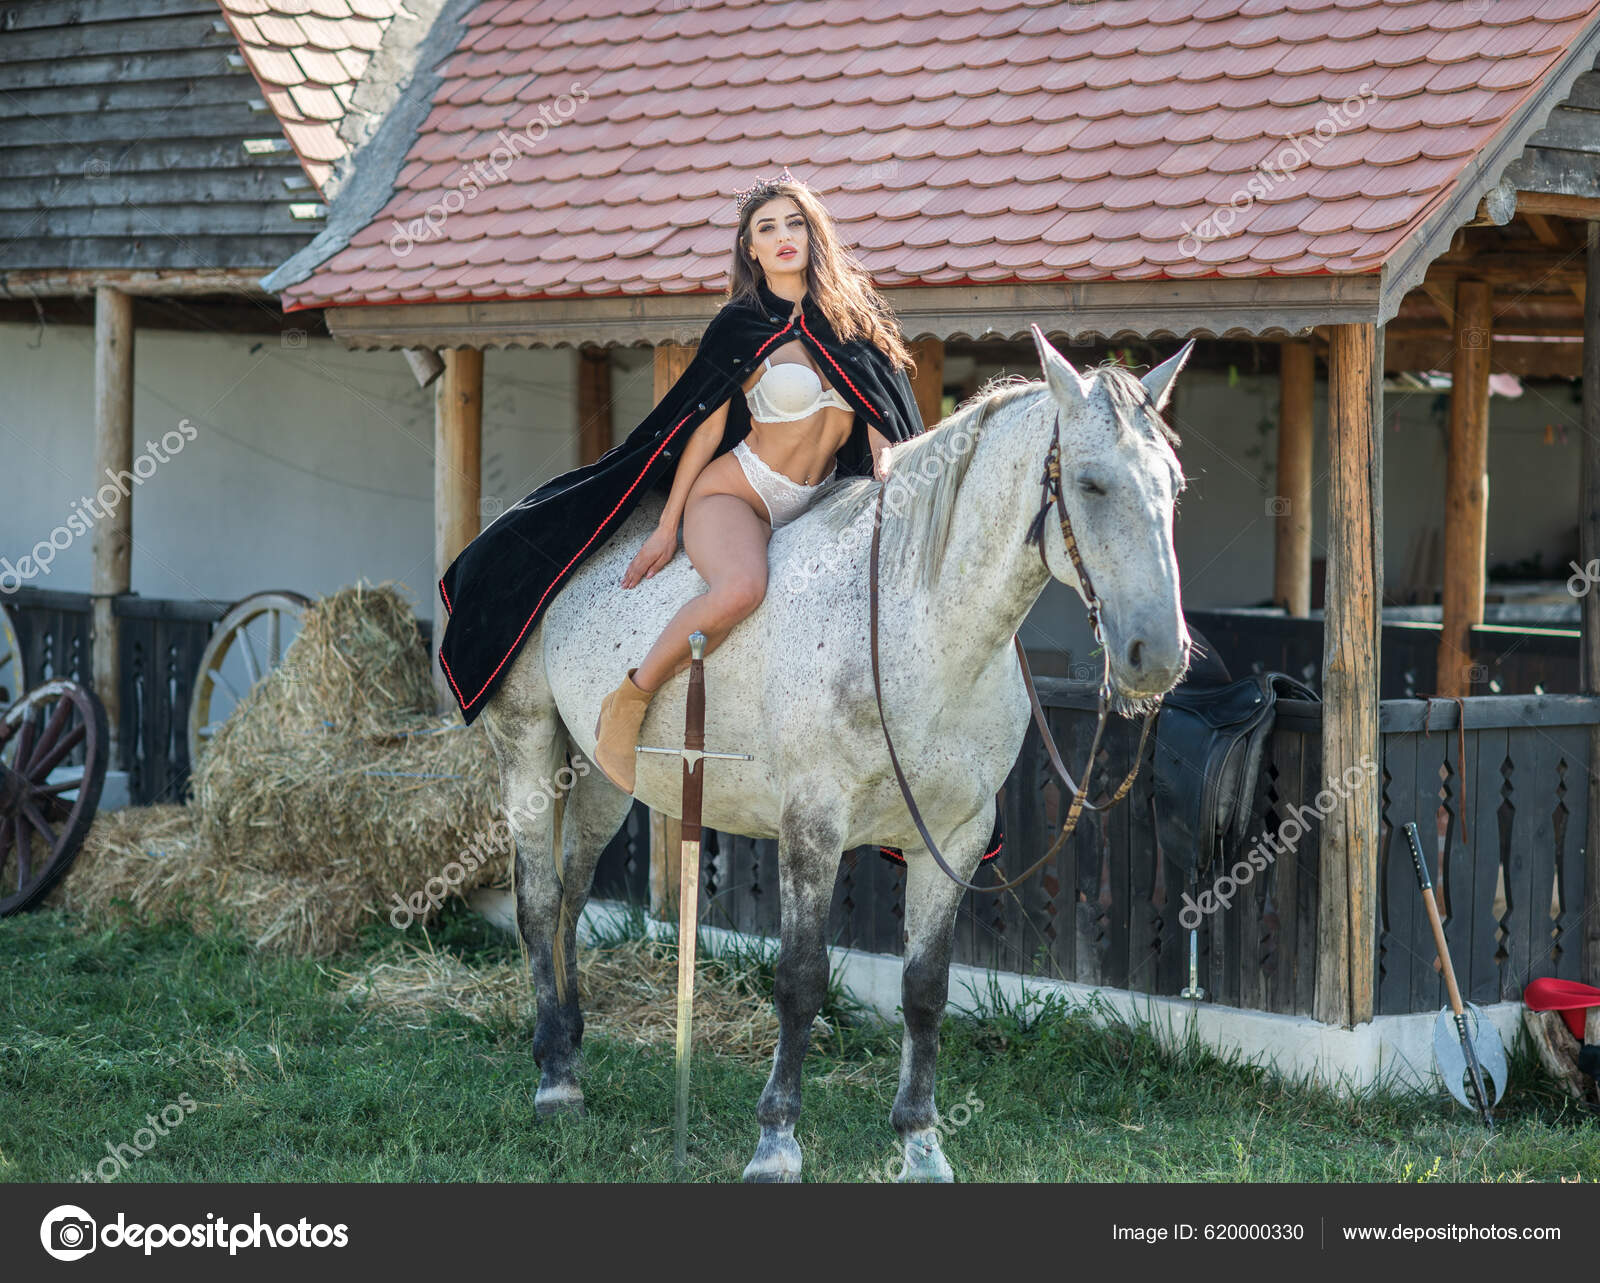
(468, 703)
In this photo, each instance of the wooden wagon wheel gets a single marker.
(13, 681)
(232, 662)
(53, 748)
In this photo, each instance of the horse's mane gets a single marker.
(921, 519)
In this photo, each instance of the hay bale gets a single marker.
(336, 765)
(150, 864)
(394, 808)
(332, 787)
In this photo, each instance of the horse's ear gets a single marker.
(1158, 383)
(1066, 384)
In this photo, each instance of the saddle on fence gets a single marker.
(1209, 744)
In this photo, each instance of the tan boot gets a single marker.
(617, 731)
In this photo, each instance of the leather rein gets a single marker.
(1050, 480)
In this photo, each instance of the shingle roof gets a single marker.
(308, 56)
(966, 141)
(123, 145)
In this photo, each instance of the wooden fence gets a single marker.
(1107, 912)
(1507, 659)
(161, 643)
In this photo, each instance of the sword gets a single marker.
(1480, 1045)
(693, 753)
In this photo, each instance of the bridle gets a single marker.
(1050, 480)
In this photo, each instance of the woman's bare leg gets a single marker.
(727, 544)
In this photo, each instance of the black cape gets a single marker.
(497, 588)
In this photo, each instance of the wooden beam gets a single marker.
(1466, 499)
(50, 282)
(594, 403)
(1436, 291)
(928, 381)
(457, 471)
(1291, 587)
(666, 832)
(1283, 306)
(112, 546)
(1558, 206)
(1348, 846)
(1589, 653)
(1526, 360)
(1545, 231)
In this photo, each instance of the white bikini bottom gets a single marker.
(785, 498)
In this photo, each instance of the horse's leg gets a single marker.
(932, 898)
(592, 812)
(530, 745)
(809, 850)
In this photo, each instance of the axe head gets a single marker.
(1452, 1059)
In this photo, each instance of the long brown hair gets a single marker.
(835, 279)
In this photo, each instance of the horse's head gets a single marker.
(1120, 479)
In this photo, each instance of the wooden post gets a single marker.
(928, 381)
(1348, 852)
(594, 403)
(1291, 579)
(1466, 500)
(666, 833)
(457, 475)
(1589, 652)
(112, 546)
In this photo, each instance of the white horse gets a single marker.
(792, 684)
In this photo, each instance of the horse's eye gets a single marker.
(1089, 486)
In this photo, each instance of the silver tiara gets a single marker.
(742, 198)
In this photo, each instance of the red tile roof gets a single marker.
(964, 141)
(308, 56)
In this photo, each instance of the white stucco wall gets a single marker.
(313, 466)
(309, 467)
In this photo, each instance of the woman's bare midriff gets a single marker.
(802, 450)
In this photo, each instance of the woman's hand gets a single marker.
(658, 550)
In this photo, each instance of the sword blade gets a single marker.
(694, 742)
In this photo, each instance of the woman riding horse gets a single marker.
(822, 368)
(730, 505)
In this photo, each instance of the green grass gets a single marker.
(292, 1083)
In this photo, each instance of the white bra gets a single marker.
(790, 391)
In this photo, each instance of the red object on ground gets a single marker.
(1568, 997)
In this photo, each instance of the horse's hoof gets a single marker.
(925, 1161)
(777, 1162)
(552, 1102)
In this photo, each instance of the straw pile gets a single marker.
(627, 993)
(330, 788)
